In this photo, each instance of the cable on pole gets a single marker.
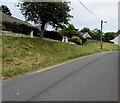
(89, 10)
(94, 14)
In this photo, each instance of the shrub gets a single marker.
(6, 26)
(82, 38)
(19, 28)
(24, 29)
(53, 35)
(109, 36)
(77, 40)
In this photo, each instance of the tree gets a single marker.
(69, 31)
(5, 10)
(71, 27)
(96, 33)
(96, 30)
(109, 36)
(85, 29)
(55, 14)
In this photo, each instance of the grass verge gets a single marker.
(21, 55)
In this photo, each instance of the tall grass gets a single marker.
(21, 55)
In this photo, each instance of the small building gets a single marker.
(85, 35)
(116, 39)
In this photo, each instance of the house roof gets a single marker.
(85, 35)
(116, 40)
(4, 17)
(118, 33)
(38, 27)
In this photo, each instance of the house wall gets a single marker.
(117, 40)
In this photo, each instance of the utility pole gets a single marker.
(101, 32)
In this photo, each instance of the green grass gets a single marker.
(21, 55)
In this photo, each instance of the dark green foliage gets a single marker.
(14, 27)
(22, 28)
(5, 10)
(55, 14)
(6, 26)
(71, 27)
(69, 31)
(53, 35)
(85, 29)
(18, 28)
(109, 36)
(95, 34)
(82, 38)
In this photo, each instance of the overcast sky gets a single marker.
(107, 11)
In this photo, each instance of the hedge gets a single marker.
(18, 28)
(53, 35)
(25, 29)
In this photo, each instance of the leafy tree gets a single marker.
(55, 14)
(85, 29)
(69, 31)
(92, 34)
(5, 10)
(96, 33)
(109, 36)
(71, 27)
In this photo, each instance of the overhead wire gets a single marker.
(89, 10)
(93, 13)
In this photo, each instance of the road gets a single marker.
(93, 78)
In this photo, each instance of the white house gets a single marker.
(85, 35)
(116, 40)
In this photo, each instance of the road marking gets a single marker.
(58, 65)
(66, 62)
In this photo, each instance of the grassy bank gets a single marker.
(21, 55)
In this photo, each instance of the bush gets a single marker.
(19, 28)
(6, 26)
(53, 35)
(109, 36)
(82, 38)
(77, 40)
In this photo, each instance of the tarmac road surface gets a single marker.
(93, 78)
